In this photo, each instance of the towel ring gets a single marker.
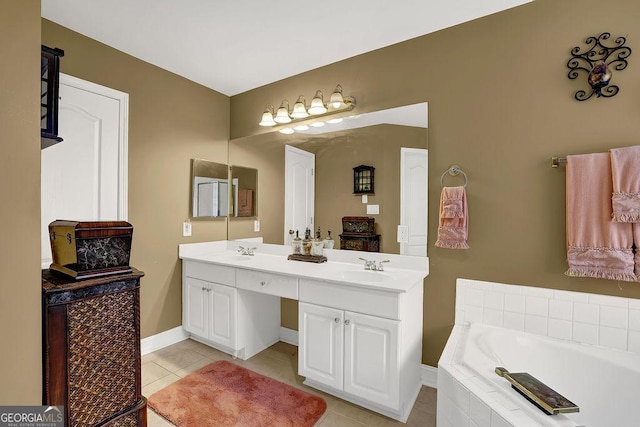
(454, 170)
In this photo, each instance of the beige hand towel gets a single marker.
(596, 246)
(453, 219)
(625, 170)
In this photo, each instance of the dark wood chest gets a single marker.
(86, 249)
(91, 349)
(358, 234)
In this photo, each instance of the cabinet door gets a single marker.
(320, 344)
(222, 326)
(371, 358)
(196, 307)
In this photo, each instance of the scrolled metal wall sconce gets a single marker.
(597, 61)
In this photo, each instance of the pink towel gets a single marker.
(596, 246)
(625, 169)
(454, 219)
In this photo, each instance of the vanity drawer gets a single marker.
(267, 283)
(352, 298)
(210, 272)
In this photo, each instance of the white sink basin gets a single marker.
(237, 257)
(365, 276)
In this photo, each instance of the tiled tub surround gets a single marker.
(586, 346)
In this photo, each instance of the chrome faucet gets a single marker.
(246, 251)
(371, 264)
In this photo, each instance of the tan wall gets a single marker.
(20, 352)
(500, 105)
(171, 120)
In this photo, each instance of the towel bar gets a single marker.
(557, 161)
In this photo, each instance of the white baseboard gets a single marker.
(430, 376)
(162, 340)
(289, 336)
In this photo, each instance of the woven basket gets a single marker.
(102, 365)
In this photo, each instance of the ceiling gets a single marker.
(233, 46)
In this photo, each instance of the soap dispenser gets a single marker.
(328, 242)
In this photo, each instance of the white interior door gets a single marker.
(299, 191)
(413, 200)
(84, 177)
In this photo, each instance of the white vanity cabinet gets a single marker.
(210, 311)
(361, 344)
(223, 306)
(359, 332)
(350, 352)
(210, 303)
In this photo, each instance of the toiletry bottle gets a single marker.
(317, 244)
(296, 244)
(328, 241)
(306, 243)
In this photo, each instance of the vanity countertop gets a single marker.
(267, 259)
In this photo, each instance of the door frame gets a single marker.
(123, 138)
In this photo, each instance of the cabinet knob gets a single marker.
(346, 322)
(337, 320)
(204, 289)
(263, 283)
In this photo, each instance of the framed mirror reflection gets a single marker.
(209, 189)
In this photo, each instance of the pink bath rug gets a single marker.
(224, 394)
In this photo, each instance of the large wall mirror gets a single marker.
(209, 189)
(389, 140)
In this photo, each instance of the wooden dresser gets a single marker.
(91, 349)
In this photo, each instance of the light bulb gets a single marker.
(299, 109)
(267, 118)
(317, 104)
(282, 116)
(336, 99)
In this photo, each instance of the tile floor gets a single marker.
(279, 361)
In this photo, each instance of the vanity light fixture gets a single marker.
(338, 103)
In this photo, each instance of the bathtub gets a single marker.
(604, 383)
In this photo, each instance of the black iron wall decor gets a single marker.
(597, 61)
(49, 87)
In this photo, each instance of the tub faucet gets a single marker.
(246, 251)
